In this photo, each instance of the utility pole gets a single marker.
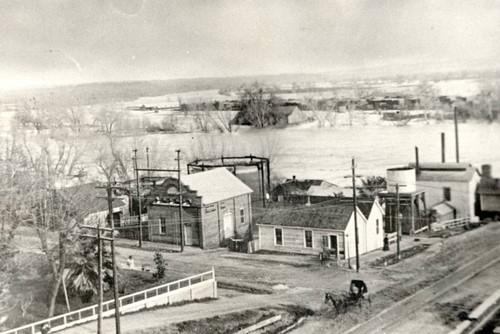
(443, 148)
(456, 133)
(180, 197)
(113, 256)
(138, 197)
(147, 160)
(100, 240)
(99, 251)
(356, 236)
(398, 222)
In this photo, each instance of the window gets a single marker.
(278, 237)
(377, 225)
(163, 226)
(447, 194)
(309, 238)
(242, 215)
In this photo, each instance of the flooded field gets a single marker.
(327, 153)
(324, 153)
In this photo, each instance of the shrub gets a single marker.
(160, 266)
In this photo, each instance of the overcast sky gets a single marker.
(73, 41)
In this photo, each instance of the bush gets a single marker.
(160, 266)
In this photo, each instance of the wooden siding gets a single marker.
(294, 239)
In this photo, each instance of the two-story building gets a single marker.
(450, 188)
(216, 206)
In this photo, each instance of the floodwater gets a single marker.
(323, 153)
(326, 153)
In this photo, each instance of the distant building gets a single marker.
(305, 191)
(216, 207)
(489, 193)
(311, 229)
(93, 203)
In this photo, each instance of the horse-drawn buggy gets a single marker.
(356, 296)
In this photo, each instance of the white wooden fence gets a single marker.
(392, 237)
(133, 220)
(183, 289)
(450, 223)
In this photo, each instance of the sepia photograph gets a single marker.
(249, 166)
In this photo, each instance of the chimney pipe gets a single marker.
(443, 148)
(417, 166)
(486, 172)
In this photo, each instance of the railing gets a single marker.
(423, 229)
(392, 237)
(90, 313)
(450, 223)
(133, 220)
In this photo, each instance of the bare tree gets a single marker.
(323, 110)
(26, 303)
(76, 118)
(36, 203)
(487, 103)
(224, 120)
(203, 120)
(270, 146)
(38, 115)
(257, 104)
(428, 96)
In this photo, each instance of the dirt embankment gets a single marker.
(233, 322)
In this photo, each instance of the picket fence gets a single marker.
(186, 288)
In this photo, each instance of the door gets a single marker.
(188, 234)
(333, 245)
(228, 225)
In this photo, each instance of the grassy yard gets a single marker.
(32, 280)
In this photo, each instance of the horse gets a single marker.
(338, 301)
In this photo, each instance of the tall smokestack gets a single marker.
(456, 133)
(443, 148)
(417, 166)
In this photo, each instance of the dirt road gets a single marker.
(193, 311)
(391, 319)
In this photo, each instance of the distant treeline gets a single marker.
(107, 92)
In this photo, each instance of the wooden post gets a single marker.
(181, 223)
(398, 222)
(113, 257)
(443, 148)
(356, 237)
(147, 160)
(99, 251)
(138, 198)
(456, 133)
(263, 187)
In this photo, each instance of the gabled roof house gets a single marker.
(309, 229)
